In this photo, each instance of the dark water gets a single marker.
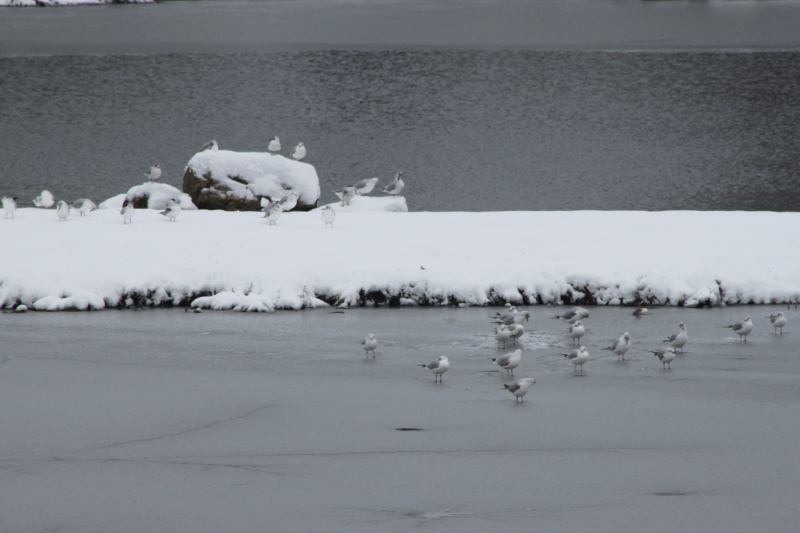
(471, 130)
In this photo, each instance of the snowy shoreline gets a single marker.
(235, 260)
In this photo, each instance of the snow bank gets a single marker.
(251, 175)
(229, 260)
(157, 194)
(389, 204)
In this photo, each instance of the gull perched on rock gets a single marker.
(577, 357)
(346, 194)
(10, 205)
(210, 146)
(778, 321)
(438, 367)
(127, 211)
(680, 338)
(83, 206)
(509, 361)
(365, 186)
(44, 200)
(576, 331)
(520, 388)
(743, 328)
(369, 343)
(153, 173)
(62, 210)
(621, 346)
(574, 314)
(328, 216)
(173, 210)
(396, 186)
(274, 145)
(665, 355)
(299, 152)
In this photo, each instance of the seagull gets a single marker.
(328, 216)
(516, 331)
(45, 200)
(10, 206)
(574, 314)
(173, 210)
(502, 334)
(396, 186)
(665, 355)
(621, 345)
(520, 388)
(153, 173)
(510, 312)
(274, 145)
(62, 210)
(83, 206)
(265, 203)
(577, 331)
(273, 215)
(127, 212)
(299, 152)
(210, 146)
(289, 201)
(509, 361)
(346, 194)
(778, 321)
(743, 328)
(513, 317)
(577, 357)
(639, 311)
(365, 186)
(369, 343)
(438, 367)
(679, 339)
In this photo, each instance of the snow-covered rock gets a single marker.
(236, 181)
(149, 195)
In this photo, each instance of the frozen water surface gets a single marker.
(162, 420)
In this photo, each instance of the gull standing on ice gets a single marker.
(516, 331)
(509, 361)
(574, 314)
(153, 173)
(83, 206)
(438, 367)
(577, 357)
(680, 338)
(273, 215)
(274, 145)
(778, 321)
(127, 212)
(45, 200)
(666, 356)
(365, 186)
(328, 216)
(10, 206)
(502, 334)
(576, 331)
(621, 346)
(210, 146)
(369, 343)
(62, 210)
(173, 210)
(639, 311)
(742, 328)
(520, 388)
(396, 186)
(299, 152)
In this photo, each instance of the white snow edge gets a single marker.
(235, 260)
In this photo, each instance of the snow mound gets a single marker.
(157, 195)
(249, 176)
(389, 204)
(236, 260)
